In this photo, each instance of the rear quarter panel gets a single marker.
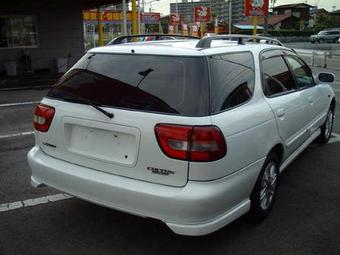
(250, 133)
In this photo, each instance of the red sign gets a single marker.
(202, 14)
(151, 17)
(256, 7)
(175, 19)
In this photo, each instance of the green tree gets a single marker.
(322, 22)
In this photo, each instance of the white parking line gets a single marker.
(17, 134)
(33, 202)
(22, 103)
(334, 138)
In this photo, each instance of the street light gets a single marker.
(230, 16)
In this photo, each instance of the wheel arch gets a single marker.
(333, 103)
(278, 149)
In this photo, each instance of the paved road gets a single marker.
(305, 219)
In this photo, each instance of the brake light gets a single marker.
(43, 116)
(192, 143)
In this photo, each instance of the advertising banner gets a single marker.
(107, 16)
(202, 14)
(175, 19)
(150, 17)
(117, 17)
(256, 7)
(194, 30)
(171, 29)
(185, 29)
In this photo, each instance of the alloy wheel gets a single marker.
(268, 186)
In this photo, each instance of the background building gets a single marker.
(220, 9)
(186, 9)
(35, 34)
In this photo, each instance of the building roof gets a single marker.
(272, 20)
(290, 6)
(317, 11)
(337, 13)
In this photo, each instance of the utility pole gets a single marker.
(176, 26)
(124, 18)
(265, 24)
(134, 17)
(230, 16)
(138, 17)
(100, 28)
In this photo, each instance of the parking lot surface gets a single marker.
(305, 218)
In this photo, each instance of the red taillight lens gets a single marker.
(200, 144)
(207, 144)
(43, 116)
(174, 140)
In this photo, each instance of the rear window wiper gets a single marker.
(85, 101)
(77, 99)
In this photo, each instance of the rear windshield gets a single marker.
(162, 84)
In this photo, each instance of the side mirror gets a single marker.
(326, 77)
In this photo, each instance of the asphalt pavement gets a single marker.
(305, 218)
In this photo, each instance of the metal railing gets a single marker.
(324, 59)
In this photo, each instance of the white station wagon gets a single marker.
(193, 133)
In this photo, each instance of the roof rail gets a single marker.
(125, 38)
(205, 42)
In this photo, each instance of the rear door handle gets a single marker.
(310, 99)
(280, 112)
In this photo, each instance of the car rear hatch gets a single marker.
(140, 92)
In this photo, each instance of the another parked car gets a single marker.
(326, 36)
(183, 132)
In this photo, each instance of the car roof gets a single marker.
(182, 48)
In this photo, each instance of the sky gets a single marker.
(163, 6)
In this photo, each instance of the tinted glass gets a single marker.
(277, 77)
(232, 80)
(175, 85)
(303, 75)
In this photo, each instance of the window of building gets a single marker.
(297, 14)
(277, 77)
(18, 31)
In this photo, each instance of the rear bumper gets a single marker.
(198, 208)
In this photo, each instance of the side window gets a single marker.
(277, 77)
(232, 80)
(303, 74)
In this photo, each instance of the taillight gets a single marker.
(192, 143)
(43, 116)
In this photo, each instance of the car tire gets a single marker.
(327, 127)
(321, 40)
(264, 192)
